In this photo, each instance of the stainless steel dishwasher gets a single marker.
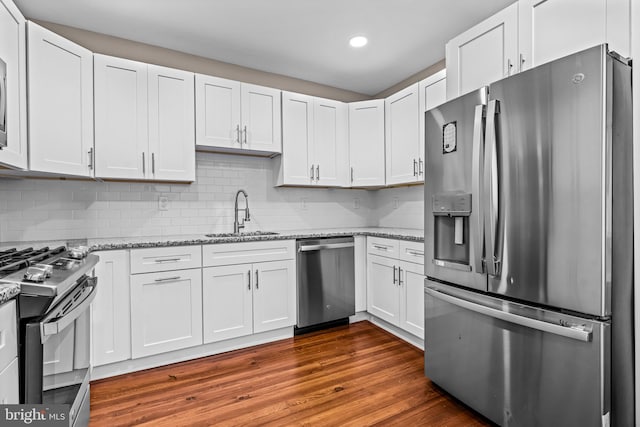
(326, 283)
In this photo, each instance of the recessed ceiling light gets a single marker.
(358, 41)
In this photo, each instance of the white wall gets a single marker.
(36, 209)
(401, 207)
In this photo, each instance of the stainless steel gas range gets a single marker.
(53, 339)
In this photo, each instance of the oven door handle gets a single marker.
(51, 326)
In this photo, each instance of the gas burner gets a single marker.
(78, 252)
(38, 273)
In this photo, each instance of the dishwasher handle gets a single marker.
(310, 248)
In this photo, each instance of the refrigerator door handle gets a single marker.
(491, 190)
(567, 331)
(476, 184)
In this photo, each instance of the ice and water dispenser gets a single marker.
(451, 211)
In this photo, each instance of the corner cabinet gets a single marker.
(240, 297)
(404, 165)
(315, 148)
(60, 100)
(237, 117)
(14, 53)
(366, 143)
(154, 112)
(111, 309)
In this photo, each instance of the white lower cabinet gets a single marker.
(8, 354)
(248, 298)
(110, 310)
(166, 311)
(395, 284)
(9, 384)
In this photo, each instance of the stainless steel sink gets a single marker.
(248, 233)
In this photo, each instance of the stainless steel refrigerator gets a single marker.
(529, 245)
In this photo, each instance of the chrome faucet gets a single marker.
(237, 225)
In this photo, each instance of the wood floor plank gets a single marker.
(351, 375)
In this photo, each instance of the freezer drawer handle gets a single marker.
(329, 246)
(565, 331)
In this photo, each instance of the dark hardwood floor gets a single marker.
(351, 375)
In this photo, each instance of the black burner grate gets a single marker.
(12, 260)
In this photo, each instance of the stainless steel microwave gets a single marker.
(3, 104)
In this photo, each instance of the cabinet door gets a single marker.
(9, 385)
(297, 139)
(402, 136)
(551, 29)
(383, 292)
(171, 124)
(166, 311)
(412, 298)
(274, 295)
(60, 104)
(13, 52)
(366, 143)
(261, 122)
(484, 53)
(433, 92)
(217, 112)
(330, 146)
(227, 308)
(121, 118)
(111, 310)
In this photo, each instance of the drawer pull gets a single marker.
(415, 253)
(382, 248)
(168, 260)
(166, 279)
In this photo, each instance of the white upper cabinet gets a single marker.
(366, 143)
(171, 124)
(551, 29)
(121, 118)
(531, 32)
(13, 115)
(433, 92)
(315, 149)
(403, 139)
(144, 121)
(238, 116)
(483, 54)
(330, 153)
(60, 96)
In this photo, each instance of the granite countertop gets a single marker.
(8, 291)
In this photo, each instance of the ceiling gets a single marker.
(306, 39)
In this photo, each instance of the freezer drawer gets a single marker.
(517, 365)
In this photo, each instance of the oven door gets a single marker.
(57, 368)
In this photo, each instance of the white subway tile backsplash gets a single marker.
(34, 209)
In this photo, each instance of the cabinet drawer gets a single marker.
(9, 384)
(247, 252)
(165, 259)
(412, 252)
(8, 334)
(383, 247)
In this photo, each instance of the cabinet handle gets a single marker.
(400, 276)
(415, 253)
(90, 158)
(144, 167)
(522, 61)
(166, 279)
(245, 134)
(394, 274)
(257, 284)
(249, 279)
(509, 67)
(311, 172)
(420, 165)
(415, 168)
(317, 172)
(153, 163)
(238, 135)
(168, 260)
(382, 248)
(352, 174)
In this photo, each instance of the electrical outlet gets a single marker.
(396, 203)
(303, 203)
(163, 203)
(356, 203)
